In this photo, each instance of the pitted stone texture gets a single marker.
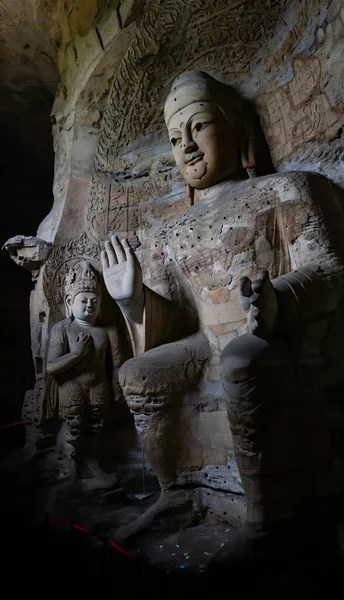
(281, 213)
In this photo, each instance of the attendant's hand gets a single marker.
(83, 344)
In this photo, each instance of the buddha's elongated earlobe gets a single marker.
(247, 156)
(68, 306)
(190, 194)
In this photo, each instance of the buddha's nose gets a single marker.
(189, 145)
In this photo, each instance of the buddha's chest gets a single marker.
(234, 230)
(225, 241)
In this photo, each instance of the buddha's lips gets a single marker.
(194, 157)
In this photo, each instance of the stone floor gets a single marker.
(172, 558)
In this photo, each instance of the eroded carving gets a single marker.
(28, 252)
(298, 114)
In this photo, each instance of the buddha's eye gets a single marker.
(175, 141)
(198, 126)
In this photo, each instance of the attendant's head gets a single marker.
(82, 293)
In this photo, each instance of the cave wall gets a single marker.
(28, 82)
(114, 171)
(112, 150)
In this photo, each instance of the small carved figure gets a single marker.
(77, 357)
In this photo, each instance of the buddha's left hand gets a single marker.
(259, 300)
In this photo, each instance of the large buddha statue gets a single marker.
(285, 256)
(260, 244)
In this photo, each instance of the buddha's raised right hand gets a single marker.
(123, 276)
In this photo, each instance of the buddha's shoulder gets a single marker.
(62, 326)
(289, 186)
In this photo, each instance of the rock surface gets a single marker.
(114, 171)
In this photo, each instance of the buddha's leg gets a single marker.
(251, 372)
(83, 417)
(98, 400)
(69, 436)
(157, 423)
(71, 401)
(254, 375)
(94, 444)
(154, 385)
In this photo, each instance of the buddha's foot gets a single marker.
(169, 504)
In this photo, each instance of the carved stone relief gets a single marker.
(300, 113)
(194, 254)
(61, 259)
(155, 49)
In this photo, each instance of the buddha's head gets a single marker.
(82, 293)
(211, 130)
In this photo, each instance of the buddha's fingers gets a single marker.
(118, 248)
(112, 258)
(129, 253)
(245, 292)
(104, 260)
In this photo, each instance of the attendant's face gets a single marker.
(203, 145)
(85, 306)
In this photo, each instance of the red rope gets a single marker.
(127, 554)
(54, 518)
(75, 525)
(11, 424)
(79, 528)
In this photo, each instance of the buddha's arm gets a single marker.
(157, 325)
(314, 286)
(305, 298)
(134, 315)
(59, 359)
(307, 293)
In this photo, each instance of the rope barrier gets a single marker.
(11, 424)
(106, 541)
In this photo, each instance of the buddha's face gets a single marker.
(203, 145)
(85, 306)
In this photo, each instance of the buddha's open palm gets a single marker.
(121, 270)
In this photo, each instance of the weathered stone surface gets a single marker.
(115, 173)
(28, 252)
